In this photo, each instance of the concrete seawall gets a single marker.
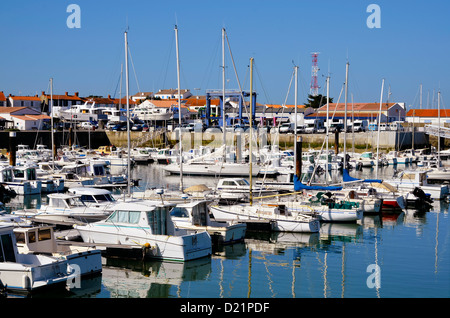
(364, 140)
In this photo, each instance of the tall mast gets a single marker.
(223, 91)
(295, 112)
(251, 124)
(179, 110)
(51, 119)
(128, 114)
(345, 116)
(379, 123)
(328, 123)
(439, 128)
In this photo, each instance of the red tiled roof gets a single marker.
(428, 113)
(33, 98)
(8, 110)
(357, 107)
(31, 117)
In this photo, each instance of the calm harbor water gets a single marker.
(407, 251)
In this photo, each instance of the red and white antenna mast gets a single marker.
(314, 89)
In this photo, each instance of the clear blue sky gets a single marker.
(411, 47)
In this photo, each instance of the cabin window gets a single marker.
(125, 217)
(31, 174)
(157, 220)
(31, 237)
(44, 235)
(58, 203)
(179, 212)
(98, 171)
(19, 174)
(7, 249)
(87, 198)
(7, 175)
(20, 237)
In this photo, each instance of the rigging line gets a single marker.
(207, 74)
(167, 63)
(132, 64)
(237, 76)
(262, 86)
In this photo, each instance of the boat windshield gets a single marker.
(179, 212)
(242, 182)
(131, 217)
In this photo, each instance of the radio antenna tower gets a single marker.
(314, 89)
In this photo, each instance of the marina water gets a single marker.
(402, 254)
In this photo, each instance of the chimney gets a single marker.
(43, 93)
(67, 93)
(76, 94)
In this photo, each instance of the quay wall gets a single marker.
(389, 140)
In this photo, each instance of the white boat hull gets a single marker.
(281, 223)
(206, 169)
(32, 272)
(163, 247)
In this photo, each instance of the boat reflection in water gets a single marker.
(137, 279)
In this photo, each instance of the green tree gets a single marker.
(317, 101)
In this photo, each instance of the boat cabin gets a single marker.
(8, 248)
(24, 173)
(93, 195)
(232, 183)
(65, 200)
(197, 212)
(144, 215)
(36, 239)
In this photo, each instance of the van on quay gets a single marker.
(287, 128)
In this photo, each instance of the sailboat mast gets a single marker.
(295, 112)
(179, 110)
(439, 128)
(223, 93)
(328, 124)
(345, 116)
(128, 115)
(51, 119)
(251, 124)
(378, 137)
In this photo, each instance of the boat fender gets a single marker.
(26, 282)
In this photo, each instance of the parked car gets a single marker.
(287, 128)
(137, 127)
(88, 125)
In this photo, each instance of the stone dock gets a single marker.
(389, 140)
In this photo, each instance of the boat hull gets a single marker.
(281, 223)
(162, 247)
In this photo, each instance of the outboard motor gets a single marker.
(418, 192)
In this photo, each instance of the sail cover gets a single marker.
(298, 186)
(348, 178)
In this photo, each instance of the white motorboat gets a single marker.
(225, 169)
(239, 189)
(21, 179)
(148, 226)
(348, 198)
(41, 240)
(95, 198)
(194, 216)
(366, 160)
(283, 220)
(408, 180)
(147, 111)
(64, 207)
(29, 272)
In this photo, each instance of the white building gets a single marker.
(33, 102)
(23, 118)
(173, 93)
